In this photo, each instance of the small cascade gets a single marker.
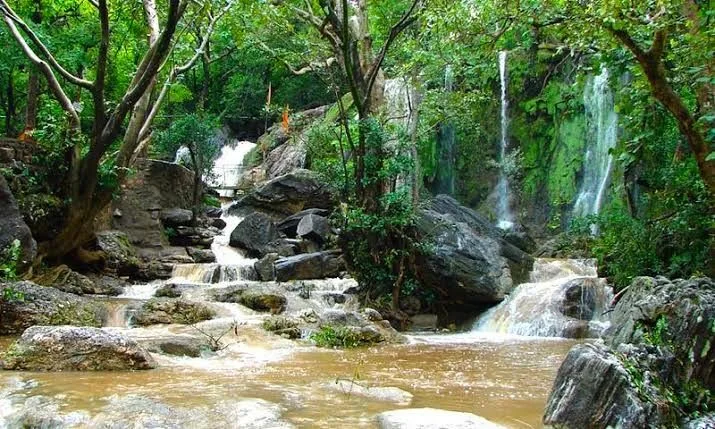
(212, 273)
(565, 298)
(229, 166)
(601, 137)
(505, 219)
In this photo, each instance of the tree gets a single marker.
(196, 134)
(96, 147)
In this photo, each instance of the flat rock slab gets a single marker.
(71, 348)
(432, 418)
(387, 394)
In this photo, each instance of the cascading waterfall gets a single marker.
(601, 137)
(547, 307)
(444, 182)
(505, 219)
(229, 166)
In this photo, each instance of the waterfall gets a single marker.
(183, 156)
(505, 219)
(229, 166)
(564, 298)
(446, 145)
(601, 137)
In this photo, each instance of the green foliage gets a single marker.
(196, 133)
(9, 260)
(211, 201)
(340, 337)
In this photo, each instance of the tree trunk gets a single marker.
(33, 96)
(10, 111)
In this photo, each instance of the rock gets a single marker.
(282, 326)
(593, 389)
(314, 227)
(157, 311)
(201, 256)
(196, 236)
(253, 234)
(466, 266)
(13, 227)
(218, 223)
(424, 322)
(520, 238)
(660, 342)
(289, 225)
(371, 314)
(255, 300)
(520, 262)
(170, 290)
(287, 195)
(410, 305)
(156, 185)
(41, 412)
(155, 270)
(176, 346)
(108, 285)
(120, 255)
(24, 304)
(581, 298)
(357, 388)
(432, 418)
(213, 212)
(264, 267)
(286, 158)
(66, 280)
(70, 348)
(174, 217)
(332, 298)
(319, 265)
(705, 422)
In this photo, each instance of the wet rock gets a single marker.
(309, 266)
(432, 418)
(289, 225)
(286, 195)
(218, 223)
(253, 234)
(66, 280)
(155, 270)
(193, 236)
(41, 412)
(371, 314)
(282, 326)
(170, 290)
(120, 255)
(70, 348)
(159, 311)
(255, 300)
(358, 388)
(521, 239)
(359, 329)
(201, 256)
(593, 389)
(264, 267)
(13, 227)
(143, 412)
(108, 285)
(176, 346)
(213, 212)
(581, 298)
(24, 304)
(174, 217)
(314, 227)
(332, 298)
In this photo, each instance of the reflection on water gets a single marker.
(503, 379)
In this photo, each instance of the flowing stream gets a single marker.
(505, 218)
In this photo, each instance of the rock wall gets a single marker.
(15, 150)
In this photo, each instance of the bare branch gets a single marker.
(11, 15)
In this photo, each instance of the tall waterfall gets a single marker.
(444, 181)
(602, 133)
(505, 218)
(564, 298)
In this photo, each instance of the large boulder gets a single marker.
(289, 225)
(287, 195)
(66, 280)
(120, 254)
(161, 311)
(432, 418)
(71, 348)
(659, 348)
(175, 216)
(309, 266)
(24, 304)
(255, 232)
(314, 227)
(13, 227)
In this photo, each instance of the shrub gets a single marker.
(9, 260)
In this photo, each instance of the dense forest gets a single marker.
(437, 153)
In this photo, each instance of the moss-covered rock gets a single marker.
(160, 311)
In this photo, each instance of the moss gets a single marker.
(282, 326)
(74, 314)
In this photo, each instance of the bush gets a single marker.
(340, 337)
(9, 259)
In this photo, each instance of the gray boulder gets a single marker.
(289, 225)
(314, 227)
(309, 266)
(287, 195)
(160, 311)
(24, 304)
(174, 217)
(177, 346)
(66, 280)
(432, 418)
(71, 348)
(264, 267)
(581, 298)
(13, 227)
(254, 234)
(120, 254)
(201, 256)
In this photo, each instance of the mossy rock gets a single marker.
(263, 301)
(161, 311)
(282, 326)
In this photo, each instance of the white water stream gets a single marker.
(505, 218)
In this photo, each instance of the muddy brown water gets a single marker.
(503, 379)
